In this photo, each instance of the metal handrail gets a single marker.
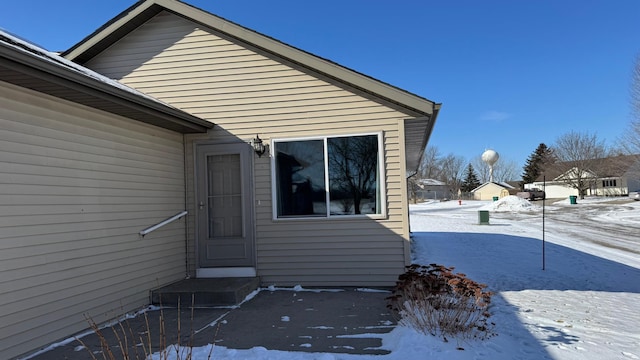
(163, 223)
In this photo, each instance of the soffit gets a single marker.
(417, 132)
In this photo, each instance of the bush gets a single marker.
(433, 300)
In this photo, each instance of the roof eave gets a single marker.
(112, 31)
(411, 104)
(417, 132)
(56, 80)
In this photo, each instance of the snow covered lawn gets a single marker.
(584, 305)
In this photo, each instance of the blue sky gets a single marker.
(510, 74)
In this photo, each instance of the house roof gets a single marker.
(27, 65)
(501, 184)
(423, 112)
(513, 184)
(432, 182)
(612, 166)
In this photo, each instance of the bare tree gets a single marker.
(451, 171)
(448, 169)
(630, 139)
(503, 170)
(481, 168)
(353, 162)
(507, 170)
(430, 167)
(413, 186)
(577, 160)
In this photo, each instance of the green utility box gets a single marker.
(495, 198)
(573, 199)
(483, 217)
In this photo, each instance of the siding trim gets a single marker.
(144, 10)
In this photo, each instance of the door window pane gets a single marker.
(224, 198)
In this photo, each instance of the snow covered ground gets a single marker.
(585, 304)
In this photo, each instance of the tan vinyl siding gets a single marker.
(76, 187)
(246, 92)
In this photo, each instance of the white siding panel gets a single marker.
(76, 187)
(246, 92)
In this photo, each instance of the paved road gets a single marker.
(614, 224)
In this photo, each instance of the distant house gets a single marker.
(489, 190)
(255, 140)
(612, 176)
(515, 185)
(434, 189)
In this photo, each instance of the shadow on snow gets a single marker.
(514, 263)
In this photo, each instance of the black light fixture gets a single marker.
(258, 146)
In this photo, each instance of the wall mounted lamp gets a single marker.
(258, 146)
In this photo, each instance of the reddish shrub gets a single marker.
(433, 300)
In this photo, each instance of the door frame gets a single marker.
(246, 165)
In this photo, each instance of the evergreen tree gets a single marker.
(534, 166)
(470, 180)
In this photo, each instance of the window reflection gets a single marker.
(353, 179)
(300, 178)
(353, 169)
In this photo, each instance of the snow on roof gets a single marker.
(506, 185)
(432, 182)
(32, 49)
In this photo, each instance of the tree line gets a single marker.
(454, 170)
(574, 158)
(577, 159)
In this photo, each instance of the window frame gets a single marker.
(328, 215)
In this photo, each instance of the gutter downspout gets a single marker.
(409, 201)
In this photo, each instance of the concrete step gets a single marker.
(205, 292)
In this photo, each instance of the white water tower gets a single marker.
(490, 157)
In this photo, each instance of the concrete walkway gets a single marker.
(306, 320)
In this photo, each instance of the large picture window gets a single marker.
(328, 176)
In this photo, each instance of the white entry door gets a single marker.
(225, 206)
